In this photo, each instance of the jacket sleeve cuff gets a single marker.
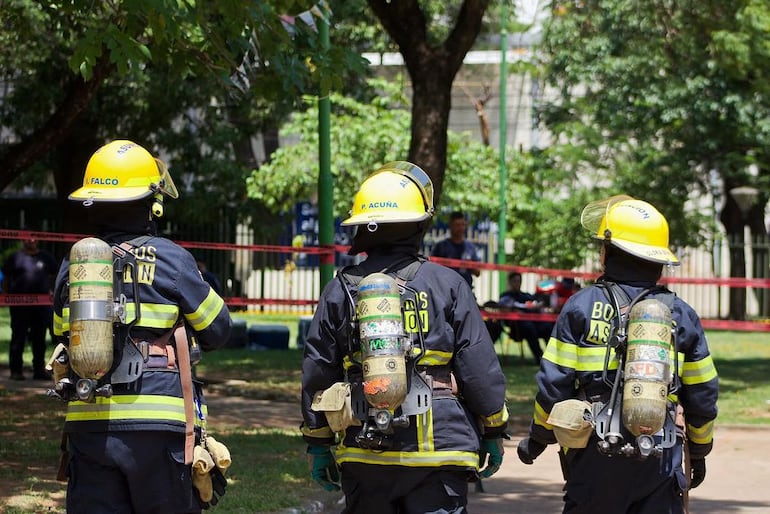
(699, 451)
(322, 436)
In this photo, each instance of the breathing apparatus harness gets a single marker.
(615, 421)
(101, 351)
(381, 419)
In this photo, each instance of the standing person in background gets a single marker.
(457, 247)
(630, 466)
(411, 460)
(132, 450)
(29, 271)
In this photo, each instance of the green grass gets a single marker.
(269, 471)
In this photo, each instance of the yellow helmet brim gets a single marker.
(649, 253)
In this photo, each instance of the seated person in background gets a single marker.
(555, 293)
(525, 330)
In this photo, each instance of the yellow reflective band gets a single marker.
(680, 362)
(435, 358)
(320, 433)
(154, 315)
(425, 431)
(348, 362)
(409, 459)
(206, 312)
(701, 435)
(497, 419)
(699, 372)
(579, 358)
(540, 417)
(128, 407)
(61, 323)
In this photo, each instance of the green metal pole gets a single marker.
(503, 221)
(325, 191)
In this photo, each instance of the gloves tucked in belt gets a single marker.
(529, 449)
(323, 468)
(208, 467)
(697, 472)
(493, 449)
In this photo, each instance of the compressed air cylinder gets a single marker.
(91, 308)
(383, 345)
(648, 367)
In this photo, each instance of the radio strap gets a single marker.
(185, 375)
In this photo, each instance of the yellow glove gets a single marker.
(202, 464)
(219, 453)
(204, 486)
(202, 461)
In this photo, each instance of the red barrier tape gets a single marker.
(710, 324)
(327, 254)
(25, 299)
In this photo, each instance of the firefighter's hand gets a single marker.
(697, 472)
(529, 449)
(491, 453)
(323, 468)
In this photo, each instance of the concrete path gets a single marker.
(737, 479)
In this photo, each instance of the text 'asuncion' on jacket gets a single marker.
(170, 290)
(574, 359)
(456, 340)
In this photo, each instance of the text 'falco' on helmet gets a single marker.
(397, 192)
(634, 226)
(123, 171)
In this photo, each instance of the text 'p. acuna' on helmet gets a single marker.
(397, 192)
(123, 171)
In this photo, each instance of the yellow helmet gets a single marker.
(122, 171)
(634, 226)
(397, 192)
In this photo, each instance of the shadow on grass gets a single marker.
(740, 374)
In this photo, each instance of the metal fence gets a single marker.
(711, 300)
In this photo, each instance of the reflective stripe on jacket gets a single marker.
(456, 340)
(170, 289)
(574, 359)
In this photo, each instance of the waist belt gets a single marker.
(444, 388)
(158, 354)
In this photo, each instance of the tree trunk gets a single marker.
(432, 69)
(733, 221)
(36, 145)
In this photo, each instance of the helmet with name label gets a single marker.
(632, 225)
(123, 171)
(398, 192)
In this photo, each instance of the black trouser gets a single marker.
(620, 485)
(129, 473)
(373, 489)
(33, 321)
(532, 332)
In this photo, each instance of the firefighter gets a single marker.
(578, 368)
(130, 452)
(425, 463)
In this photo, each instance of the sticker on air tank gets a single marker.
(377, 308)
(382, 327)
(646, 370)
(650, 331)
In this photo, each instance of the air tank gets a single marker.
(383, 344)
(648, 367)
(91, 308)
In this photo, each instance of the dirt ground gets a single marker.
(738, 470)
